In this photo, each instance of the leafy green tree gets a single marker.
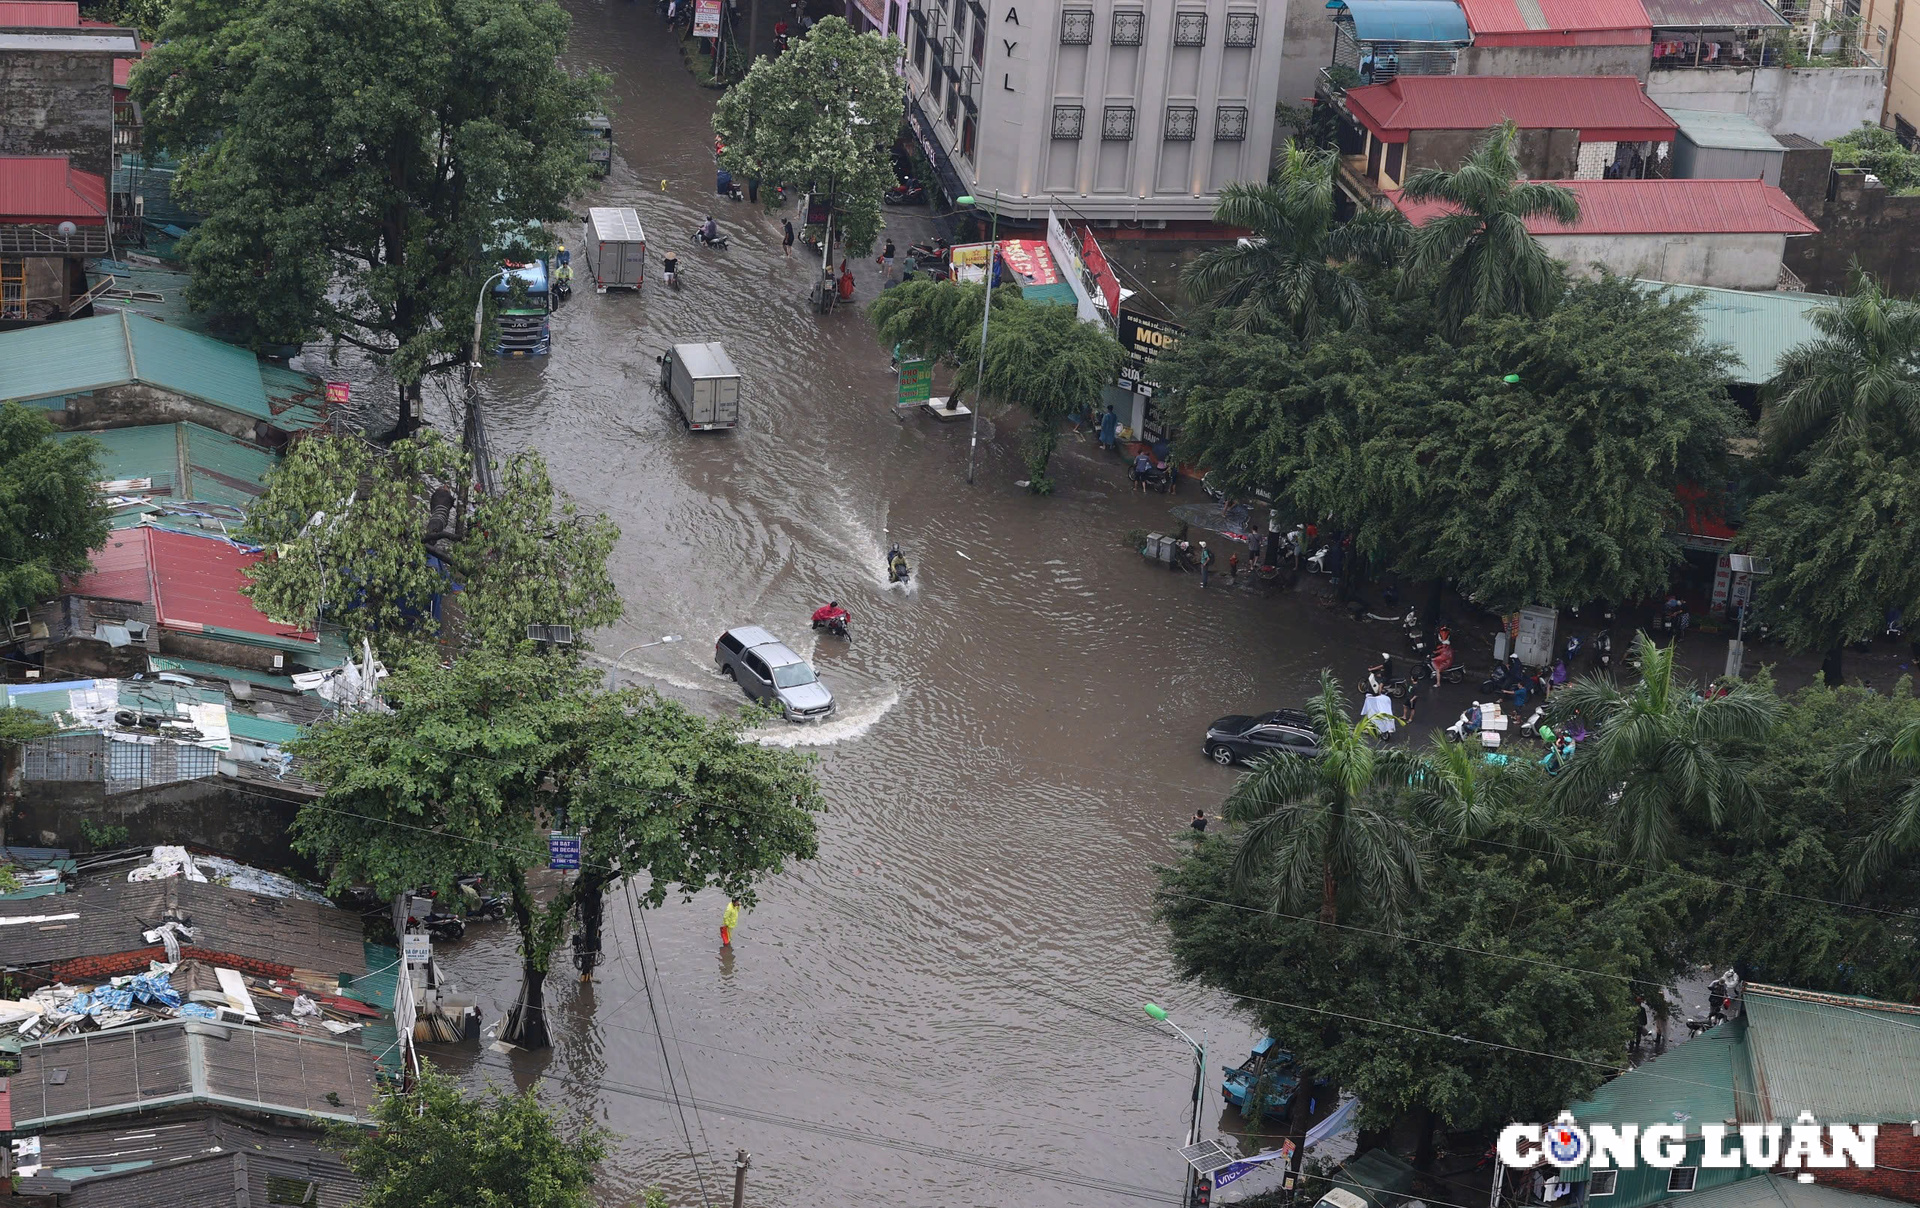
(1320, 830)
(1662, 753)
(1480, 259)
(933, 319)
(436, 1146)
(1804, 897)
(1861, 372)
(824, 116)
(1877, 150)
(1501, 949)
(53, 512)
(354, 160)
(1836, 533)
(18, 727)
(1555, 489)
(479, 759)
(348, 525)
(1287, 273)
(147, 16)
(1044, 359)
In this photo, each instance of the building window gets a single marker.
(1116, 123)
(935, 82)
(1241, 28)
(979, 43)
(953, 106)
(1182, 120)
(1069, 121)
(13, 289)
(1605, 1182)
(919, 52)
(1190, 29)
(1129, 27)
(1680, 1178)
(967, 135)
(1076, 27)
(959, 20)
(1230, 123)
(893, 20)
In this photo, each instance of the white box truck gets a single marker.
(704, 385)
(615, 248)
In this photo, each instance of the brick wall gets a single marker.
(58, 104)
(1856, 222)
(99, 968)
(1896, 1171)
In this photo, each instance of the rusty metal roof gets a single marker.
(1601, 108)
(192, 580)
(49, 189)
(1658, 207)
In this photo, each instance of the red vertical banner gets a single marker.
(1098, 268)
(339, 392)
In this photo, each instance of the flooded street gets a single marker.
(943, 1009)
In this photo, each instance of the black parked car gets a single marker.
(1242, 739)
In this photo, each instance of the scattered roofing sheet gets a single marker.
(1839, 1057)
(1759, 327)
(48, 362)
(1601, 108)
(1408, 21)
(1659, 207)
(1726, 131)
(1713, 14)
(49, 189)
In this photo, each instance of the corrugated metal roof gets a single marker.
(1837, 1057)
(45, 14)
(151, 451)
(1490, 19)
(120, 1166)
(1601, 108)
(121, 569)
(216, 468)
(1408, 21)
(1713, 14)
(1660, 207)
(49, 189)
(261, 730)
(215, 671)
(1779, 1191)
(195, 365)
(1759, 327)
(193, 582)
(1731, 131)
(298, 400)
(1695, 1079)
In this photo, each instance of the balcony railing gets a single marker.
(1379, 62)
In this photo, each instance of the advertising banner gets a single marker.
(1145, 338)
(706, 18)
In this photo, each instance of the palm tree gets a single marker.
(1659, 754)
(1863, 763)
(1321, 827)
(1287, 272)
(1461, 797)
(1865, 366)
(1480, 259)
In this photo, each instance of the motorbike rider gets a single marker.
(896, 564)
(1380, 674)
(830, 613)
(709, 230)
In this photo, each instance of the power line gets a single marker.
(673, 1088)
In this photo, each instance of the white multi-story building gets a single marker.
(1129, 110)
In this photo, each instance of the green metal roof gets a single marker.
(53, 360)
(1777, 1191)
(148, 452)
(259, 729)
(1726, 131)
(1759, 327)
(1838, 1057)
(376, 987)
(185, 461)
(201, 670)
(1691, 1085)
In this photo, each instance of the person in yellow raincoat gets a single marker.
(728, 918)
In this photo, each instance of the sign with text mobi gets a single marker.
(1806, 1144)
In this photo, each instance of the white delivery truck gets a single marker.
(616, 249)
(704, 385)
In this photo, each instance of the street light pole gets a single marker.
(1199, 1082)
(671, 637)
(986, 313)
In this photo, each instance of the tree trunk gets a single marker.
(527, 1023)
(1430, 615)
(1299, 1114)
(1831, 665)
(1426, 1152)
(592, 907)
(1327, 886)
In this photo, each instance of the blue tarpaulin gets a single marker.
(1408, 21)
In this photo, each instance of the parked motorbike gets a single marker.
(1603, 650)
(1317, 560)
(440, 924)
(907, 193)
(1416, 633)
(930, 255)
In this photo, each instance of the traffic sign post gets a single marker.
(563, 852)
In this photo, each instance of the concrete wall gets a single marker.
(1727, 261)
(1880, 230)
(137, 404)
(1819, 102)
(250, 826)
(58, 104)
(1308, 48)
(1543, 154)
(1691, 162)
(1555, 61)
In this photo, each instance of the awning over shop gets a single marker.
(1029, 264)
(1406, 20)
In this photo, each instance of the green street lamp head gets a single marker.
(1155, 1011)
(1512, 379)
(965, 199)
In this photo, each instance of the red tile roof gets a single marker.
(46, 188)
(1601, 108)
(193, 582)
(40, 14)
(1660, 207)
(1558, 22)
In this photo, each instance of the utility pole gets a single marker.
(741, 1160)
(986, 313)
